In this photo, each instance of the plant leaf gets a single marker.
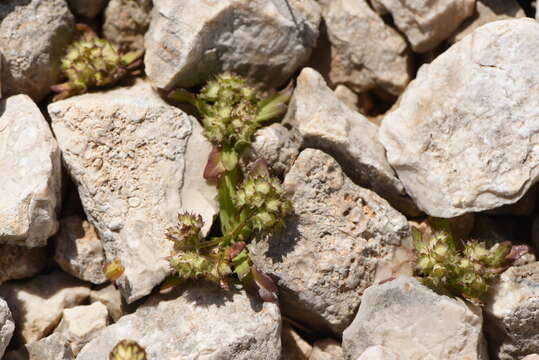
(266, 287)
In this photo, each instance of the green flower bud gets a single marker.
(127, 350)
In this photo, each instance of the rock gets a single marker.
(201, 321)
(347, 97)
(111, 298)
(365, 52)
(487, 11)
(32, 49)
(426, 24)
(278, 146)
(79, 251)
(531, 357)
(440, 111)
(293, 346)
(134, 158)
(266, 41)
(461, 226)
(512, 315)
(326, 349)
(18, 262)
(31, 168)
(37, 304)
(524, 207)
(88, 8)
(7, 326)
(326, 123)
(81, 324)
(53, 347)
(414, 322)
(126, 22)
(378, 353)
(341, 239)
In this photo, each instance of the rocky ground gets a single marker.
(401, 110)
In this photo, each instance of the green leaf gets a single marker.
(241, 264)
(228, 214)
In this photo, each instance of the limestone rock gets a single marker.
(111, 298)
(326, 349)
(200, 322)
(37, 304)
(53, 347)
(278, 146)
(33, 37)
(7, 326)
(341, 239)
(531, 357)
(378, 353)
(88, 8)
(414, 322)
(137, 162)
(326, 123)
(18, 262)
(365, 52)
(31, 169)
(79, 251)
(266, 40)
(449, 138)
(293, 346)
(126, 22)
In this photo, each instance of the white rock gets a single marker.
(32, 48)
(449, 138)
(87, 8)
(293, 345)
(126, 22)
(414, 322)
(200, 322)
(266, 40)
(341, 239)
(31, 168)
(138, 162)
(111, 297)
(278, 146)
(18, 262)
(347, 96)
(326, 349)
(378, 353)
(7, 326)
(53, 347)
(531, 357)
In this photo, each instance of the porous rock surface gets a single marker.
(340, 240)
(53, 347)
(31, 174)
(414, 322)
(137, 162)
(126, 22)
(7, 326)
(464, 136)
(266, 40)
(199, 321)
(19, 262)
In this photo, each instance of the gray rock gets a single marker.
(126, 22)
(326, 349)
(31, 168)
(414, 322)
(449, 138)
(79, 251)
(341, 239)
(7, 326)
(88, 8)
(365, 52)
(266, 40)
(111, 297)
(134, 158)
(53, 347)
(326, 123)
(37, 304)
(278, 146)
(18, 262)
(512, 313)
(200, 322)
(33, 37)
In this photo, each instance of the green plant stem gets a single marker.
(226, 238)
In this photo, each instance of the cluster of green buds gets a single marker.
(90, 62)
(127, 350)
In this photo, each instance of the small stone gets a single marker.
(294, 347)
(278, 146)
(414, 322)
(53, 347)
(7, 326)
(37, 304)
(111, 297)
(264, 40)
(326, 349)
(31, 173)
(194, 322)
(88, 8)
(378, 353)
(126, 22)
(340, 240)
(347, 97)
(18, 262)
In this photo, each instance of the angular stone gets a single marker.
(347, 96)
(293, 346)
(111, 298)
(53, 347)
(278, 146)
(512, 313)
(266, 40)
(366, 53)
(79, 251)
(7, 326)
(18, 262)
(326, 349)
(341, 239)
(88, 8)
(414, 322)
(126, 22)
(449, 138)
(37, 304)
(326, 123)
(31, 168)
(32, 49)
(199, 321)
(378, 353)
(137, 162)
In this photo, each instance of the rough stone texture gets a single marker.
(326, 349)
(266, 40)
(53, 347)
(203, 322)
(365, 52)
(278, 146)
(531, 357)
(37, 304)
(347, 96)
(293, 346)
(7, 326)
(33, 37)
(126, 22)
(415, 323)
(111, 297)
(512, 313)
(31, 173)
(426, 23)
(79, 251)
(17, 262)
(378, 353)
(81, 324)
(487, 11)
(327, 124)
(449, 138)
(137, 162)
(88, 8)
(341, 239)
